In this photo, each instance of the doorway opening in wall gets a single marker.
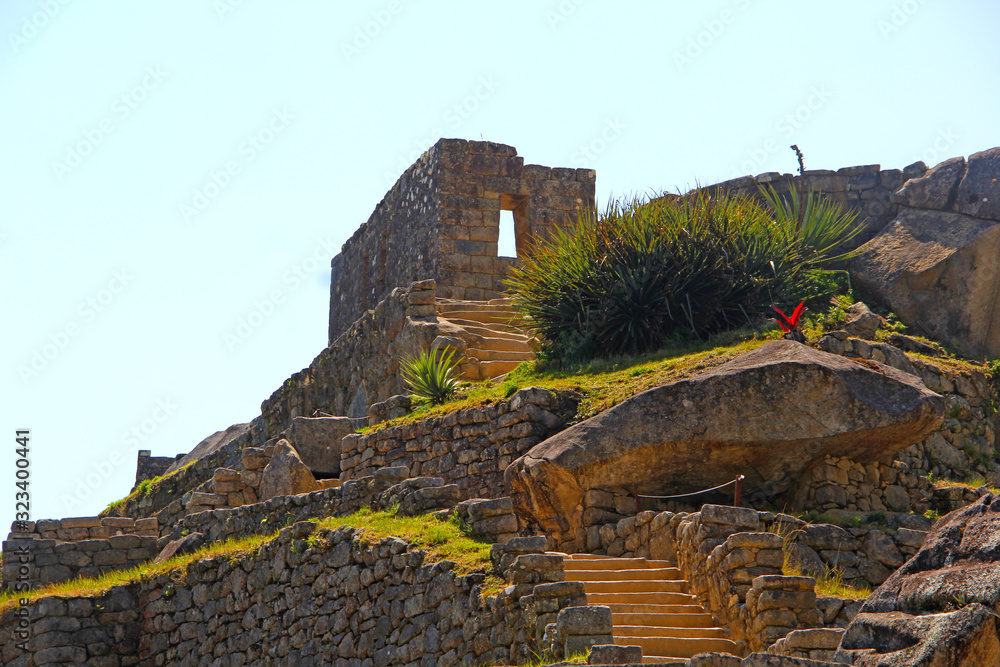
(507, 245)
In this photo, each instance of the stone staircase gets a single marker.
(494, 346)
(650, 606)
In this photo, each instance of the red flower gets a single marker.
(789, 323)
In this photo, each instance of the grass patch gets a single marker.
(602, 383)
(441, 540)
(94, 586)
(142, 489)
(971, 483)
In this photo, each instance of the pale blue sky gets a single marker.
(115, 116)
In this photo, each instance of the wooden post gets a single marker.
(638, 506)
(736, 493)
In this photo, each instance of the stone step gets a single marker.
(496, 305)
(577, 562)
(671, 573)
(498, 355)
(493, 369)
(505, 326)
(668, 660)
(679, 620)
(623, 631)
(636, 586)
(640, 598)
(483, 332)
(683, 647)
(506, 344)
(647, 608)
(487, 318)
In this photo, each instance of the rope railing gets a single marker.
(736, 493)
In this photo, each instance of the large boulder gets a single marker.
(317, 441)
(286, 474)
(940, 608)
(935, 189)
(769, 414)
(979, 192)
(939, 272)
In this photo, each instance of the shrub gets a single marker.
(432, 376)
(645, 272)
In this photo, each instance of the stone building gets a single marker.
(441, 221)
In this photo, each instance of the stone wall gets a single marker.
(441, 221)
(308, 597)
(361, 365)
(471, 447)
(170, 490)
(866, 189)
(39, 553)
(962, 448)
(148, 467)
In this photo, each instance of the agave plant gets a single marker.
(432, 376)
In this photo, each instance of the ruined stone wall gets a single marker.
(39, 553)
(361, 366)
(309, 597)
(866, 189)
(148, 467)
(470, 448)
(441, 221)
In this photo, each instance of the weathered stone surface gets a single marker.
(771, 413)
(938, 272)
(940, 607)
(935, 189)
(611, 654)
(317, 440)
(979, 191)
(862, 322)
(185, 545)
(286, 474)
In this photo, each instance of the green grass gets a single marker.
(143, 488)
(441, 540)
(95, 586)
(970, 483)
(602, 383)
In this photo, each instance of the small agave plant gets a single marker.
(790, 323)
(432, 376)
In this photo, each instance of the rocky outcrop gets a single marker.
(937, 265)
(317, 440)
(940, 608)
(938, 271)
(769, 414)
(286, 474)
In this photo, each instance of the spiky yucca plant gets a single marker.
(432, 376)
(643, 271)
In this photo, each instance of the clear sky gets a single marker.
(171, 168)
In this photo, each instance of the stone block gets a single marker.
(612, 654)
(588, 621)
(123, 523)
(80, 522)
(724, 515)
